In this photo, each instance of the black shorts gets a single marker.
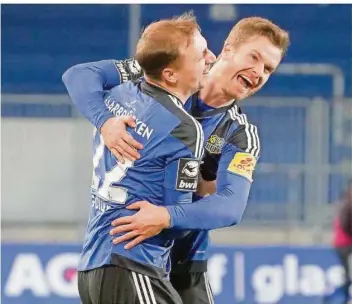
(193, 287)
(116, 285)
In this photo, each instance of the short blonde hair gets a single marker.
(257, 26)
(159, 44)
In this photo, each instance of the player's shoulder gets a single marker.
(170, 103)
(187, 130)
(243, 134)
(128, 88)
(129, 69)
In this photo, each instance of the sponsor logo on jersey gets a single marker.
(243, 164)
(187, 174)
(214, 144)
(128, 69)
(124, 76)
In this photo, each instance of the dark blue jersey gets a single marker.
(166, 174)
(231, 147)
(223, 127)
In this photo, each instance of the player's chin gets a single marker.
(240, 93)
(237, 95)
(242, 96)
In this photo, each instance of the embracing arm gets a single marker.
(234, 179)
(86, 83)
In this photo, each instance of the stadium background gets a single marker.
(281, 253)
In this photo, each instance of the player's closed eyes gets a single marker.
(254, 57)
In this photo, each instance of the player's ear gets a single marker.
(169, 75)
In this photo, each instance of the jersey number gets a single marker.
(103, 180)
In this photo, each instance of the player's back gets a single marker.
(166, 174)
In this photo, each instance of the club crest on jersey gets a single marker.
(187, 175)
(243, 164)
(214, 144)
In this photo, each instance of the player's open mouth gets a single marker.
(245, 81)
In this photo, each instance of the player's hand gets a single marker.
(206, 187)
(147, 222)
(121, 144)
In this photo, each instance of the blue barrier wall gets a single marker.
(47, 274)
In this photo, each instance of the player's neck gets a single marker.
(213, 95)
(182, 96)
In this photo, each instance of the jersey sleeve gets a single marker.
(86, 83)
(234, 178)
(244, 137)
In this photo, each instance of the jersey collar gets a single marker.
(198, 114)
(153, 87)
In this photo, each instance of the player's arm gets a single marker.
(234, 179)
(225, 208)
(86, 83)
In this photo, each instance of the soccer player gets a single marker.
(251, 53)
(174, 56)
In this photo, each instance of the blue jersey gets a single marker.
(222, 127)
(166, 174)
(231, 151)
